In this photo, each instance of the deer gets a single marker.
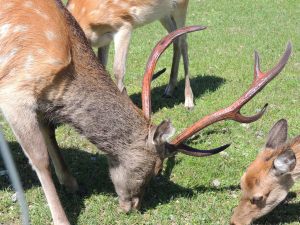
(104, 21)
(56, 78)
(268, 179)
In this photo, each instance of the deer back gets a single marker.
(99, 19)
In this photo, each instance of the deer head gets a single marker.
(269, 177)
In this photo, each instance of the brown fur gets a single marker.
(263, 187)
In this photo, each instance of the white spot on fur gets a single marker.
(6, 58)
(20, 28)
(55, 62)
(71, 7)
(50, 35)
(41, 51)
(93, 13)
(29, 62)
(123, 4)
(8, 5)
(28, 4)
(40, 13)
(83, 10)
(4, 30)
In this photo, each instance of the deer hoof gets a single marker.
(169, 91)
(189, 104)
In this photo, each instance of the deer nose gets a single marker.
(232, 222)
(125, 206)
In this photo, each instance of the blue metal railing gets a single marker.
(15, 178)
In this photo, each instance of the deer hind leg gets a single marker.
(103, 55)
(179, 16)
(121, 40)
(188, 93)
(29, 133)
(64, 176)
(170, 25)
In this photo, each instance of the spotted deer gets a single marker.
(268, 179)
(104, 21)
(49, 75)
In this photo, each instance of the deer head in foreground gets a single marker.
(269, 177)
(50, 75)
(106, 21)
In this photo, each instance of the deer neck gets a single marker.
(95, 107)
(85, 96)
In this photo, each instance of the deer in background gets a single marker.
(105, 20)
(49, 75)
(268, 179)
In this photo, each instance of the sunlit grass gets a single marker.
(221, 66)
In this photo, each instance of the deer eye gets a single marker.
(256, 199)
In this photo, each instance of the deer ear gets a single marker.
(278, 134)
(162, 132)
(285, 162)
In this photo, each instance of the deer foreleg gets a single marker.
(64, 176)
(179, 16)
(103, 55)
(30, 134)
(121, 40)
(170, 26)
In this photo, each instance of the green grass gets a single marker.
(221, 66)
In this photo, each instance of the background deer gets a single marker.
(104, 21)
(269, 177)
(50, 75)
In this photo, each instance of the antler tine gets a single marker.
(259, 82)
(188, 150)
(233, 111)
(160, 47)
(274, 71)
(158, 73)
(282, 62)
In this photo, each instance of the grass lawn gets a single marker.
(221, 66)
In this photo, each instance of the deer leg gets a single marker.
(64, 176)
(188, 93)
(170, 26)
(179, 16)
(103, 55)
(30, 134)
(121, 40)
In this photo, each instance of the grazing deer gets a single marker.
(103, 21)
(269, 177)
(50, 75)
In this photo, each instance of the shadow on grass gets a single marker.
(286, 212)
(91, 170)
(200, 84)
(162, 191)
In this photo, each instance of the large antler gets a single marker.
(160, 47)
(231, 112)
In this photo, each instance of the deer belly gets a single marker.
(147, 14)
